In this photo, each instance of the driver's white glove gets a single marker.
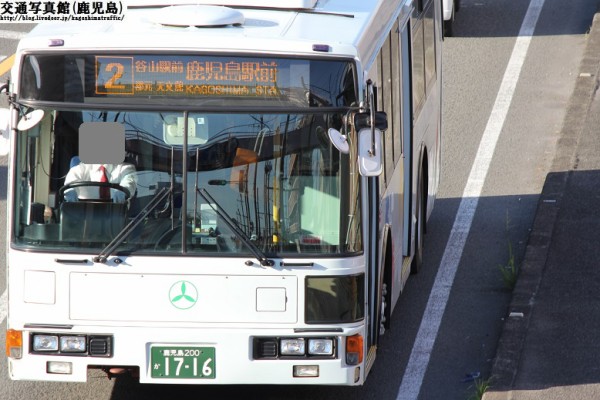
(117, 196)
(70, 195)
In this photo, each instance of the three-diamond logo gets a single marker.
(183, 295)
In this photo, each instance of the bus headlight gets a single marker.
(45, 343)
(320, 347)
(270, 348)
(73, 344)
(292, 347)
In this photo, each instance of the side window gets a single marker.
(423, 52)
(388, 106)
(389, 98)
(418, 65)
(418, 7)
(380, 106)
(429, 42)
(396, 115)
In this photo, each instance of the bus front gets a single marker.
(184, 217)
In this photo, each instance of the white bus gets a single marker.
(282, 158)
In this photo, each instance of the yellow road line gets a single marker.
(6, 64)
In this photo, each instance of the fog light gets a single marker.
(45, 343)
(292, 347)
(72, 344)
(59, 367)
(306, 371)
(320, 347)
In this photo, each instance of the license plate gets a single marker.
(183, 362)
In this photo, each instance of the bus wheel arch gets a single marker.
(386, 287)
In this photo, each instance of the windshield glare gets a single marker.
(276, 177)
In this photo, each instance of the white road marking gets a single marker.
(436, 305)
(14, 35)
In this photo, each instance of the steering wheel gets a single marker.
(61, 192)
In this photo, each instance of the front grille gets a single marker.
(100, 346)
(265, 348)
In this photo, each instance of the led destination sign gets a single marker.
(190, 76)
(180, 80)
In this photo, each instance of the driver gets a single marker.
(122, 174)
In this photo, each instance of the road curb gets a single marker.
(510, 345)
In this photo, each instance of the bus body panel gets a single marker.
(425, 139)
(135, 302)
(47, 290)
(233, 363)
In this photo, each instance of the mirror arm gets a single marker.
(372, 112)
(4, 88)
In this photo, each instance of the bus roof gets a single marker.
(353, 28)
(277, 4)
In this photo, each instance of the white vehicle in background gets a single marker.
(449, 8)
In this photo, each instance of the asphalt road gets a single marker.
(474, 62)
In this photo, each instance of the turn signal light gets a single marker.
(14, 343)
(354, 349)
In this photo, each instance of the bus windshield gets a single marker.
(196, 183)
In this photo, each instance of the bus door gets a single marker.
(373, 270)
(407, 130)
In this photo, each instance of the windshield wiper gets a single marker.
(121, 236)
(260, 256)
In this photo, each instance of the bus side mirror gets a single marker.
(369, 152)
(363, 120)
(4, 131)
